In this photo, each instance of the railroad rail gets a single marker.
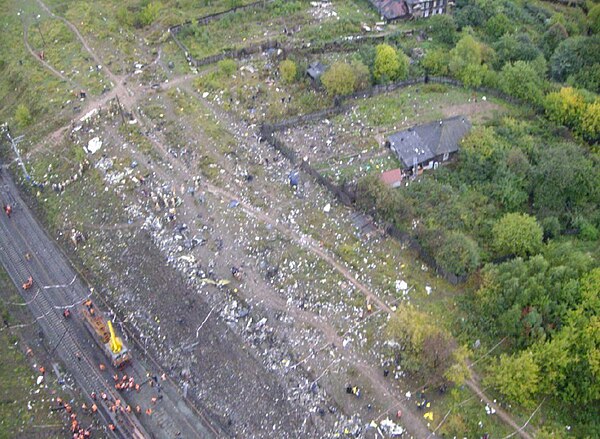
(57, 287)
(47, 307)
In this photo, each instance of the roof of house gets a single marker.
(316, 69)
(391, 9)
(391, 177)
(424, 142)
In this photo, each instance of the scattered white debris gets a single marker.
(40, 380)
(391, 428)
(327, 208)
(88, 115)
(401, 286)
(93, 145)
(428, 289)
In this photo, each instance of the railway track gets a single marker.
(46, 309)
(56, 287)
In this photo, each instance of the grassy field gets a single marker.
(26, 81)
(24, 406)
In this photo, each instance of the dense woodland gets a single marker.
(520, 209)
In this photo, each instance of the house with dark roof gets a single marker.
(392, 10)
(426, 146)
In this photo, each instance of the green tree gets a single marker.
(522, 81)
(435, 62)
(469, 15)
(148, 14)
(288, 71)
(565, 107)
(473, 75)
(443, 29)
(517, 234)
(552, 38)
(467, 52)
(23, 116)
(594, 19)
(457, 254)
(590, 122)
(573, 55)
(466, 61)
(389, 65)
(427, 348)
(374, 197)
(511, 48)
(563, 181)
(339, 79)
(498, 25)
(362, 73)
(517, 377)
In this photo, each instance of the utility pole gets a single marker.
(14, 141)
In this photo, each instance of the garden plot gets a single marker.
(351, 145)
(245, 27)
(295, 22)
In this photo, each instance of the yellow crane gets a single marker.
(115, 342)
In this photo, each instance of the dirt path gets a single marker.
(84, 43)
(128, 98)
(40, 60)
(310, 244)
(177, 174)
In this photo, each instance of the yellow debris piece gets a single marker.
(219, 283)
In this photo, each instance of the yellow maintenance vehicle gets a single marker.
(104, 333)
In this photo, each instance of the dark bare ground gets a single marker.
(221, 369)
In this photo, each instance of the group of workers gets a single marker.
(125, 383)
(79, 432)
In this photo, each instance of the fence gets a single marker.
(424, 255)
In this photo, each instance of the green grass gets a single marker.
(18, 386)
(24, 80)
(63, 51)
(242, 28)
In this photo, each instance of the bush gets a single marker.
(517, 377)
(339, 79)
(573, 55)
(551, 226)
(443, 29)
(565, 106)
(594, 19)
(590, 122)
(457, 254)
(362, 73)
(23, 116)
(227, 67)
(522, 81)
(389, 64)
(498, 25)
(435, 62)
(517, 234)
(148, 14)
(288, 71)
